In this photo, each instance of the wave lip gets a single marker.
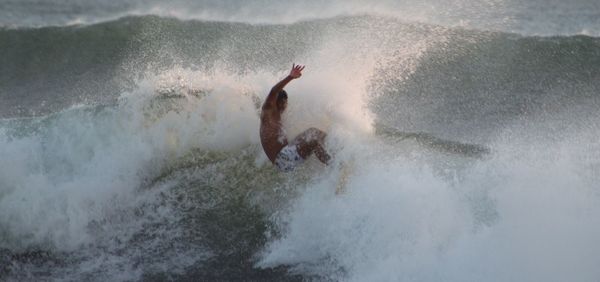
(527, 17)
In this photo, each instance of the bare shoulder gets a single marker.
(269, 112)
(266, 107)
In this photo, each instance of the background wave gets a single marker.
(547, 17)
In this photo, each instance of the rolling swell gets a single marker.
(66, 65)
(475, 83)
(48, 69)
(57, 64)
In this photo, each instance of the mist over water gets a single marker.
(130, 147)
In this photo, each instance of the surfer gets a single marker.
(286, 156)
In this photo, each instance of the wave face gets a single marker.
(131, 152)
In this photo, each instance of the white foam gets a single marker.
(528, 213)
(87, 164)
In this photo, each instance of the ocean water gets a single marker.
(129, 146)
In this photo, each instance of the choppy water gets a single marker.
(130, 151)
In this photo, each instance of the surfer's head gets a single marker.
(282, 100)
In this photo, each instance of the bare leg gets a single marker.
(311, 141)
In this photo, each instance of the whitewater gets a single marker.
(130, 151)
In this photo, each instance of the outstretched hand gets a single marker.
(296, 71)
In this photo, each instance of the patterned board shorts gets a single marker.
(288, 158)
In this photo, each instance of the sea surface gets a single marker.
(129, 145)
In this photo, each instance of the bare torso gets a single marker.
(272, 136)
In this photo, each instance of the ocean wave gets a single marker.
(137, 155)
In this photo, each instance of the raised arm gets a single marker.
(296, 72)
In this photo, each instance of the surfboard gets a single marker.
(429, 141)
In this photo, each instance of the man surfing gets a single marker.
(287, 156)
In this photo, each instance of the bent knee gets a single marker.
(315, 132)
(311, 136)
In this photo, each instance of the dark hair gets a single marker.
(282, 95)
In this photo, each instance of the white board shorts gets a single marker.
(288, 158)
